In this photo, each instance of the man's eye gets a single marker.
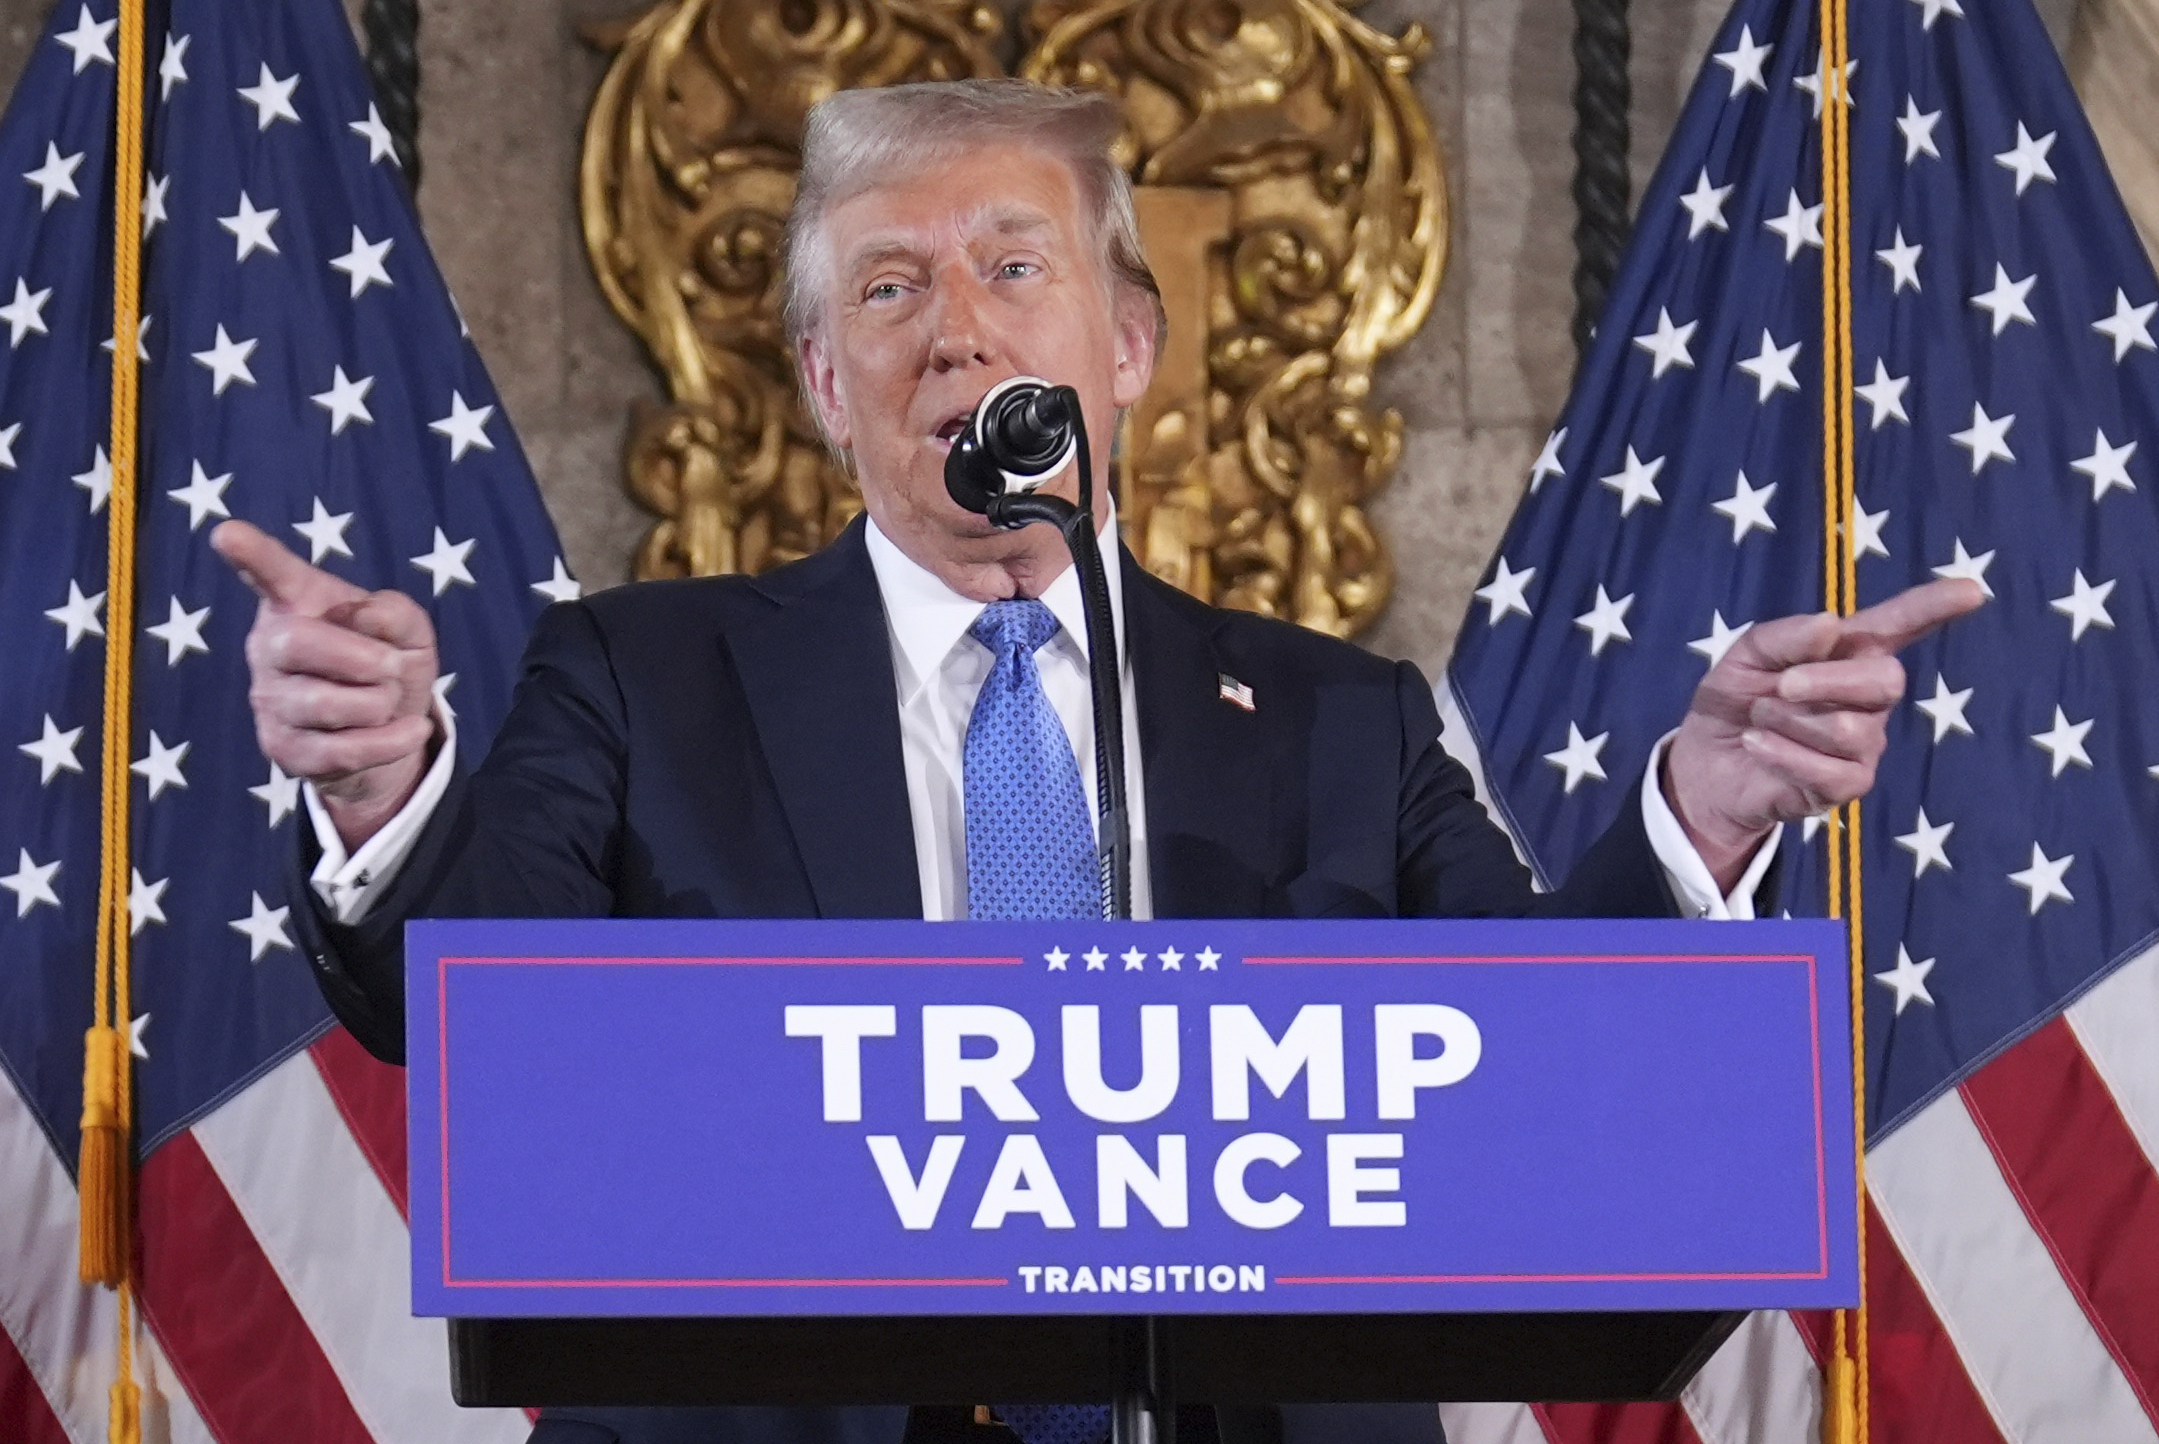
(884, 291)
(1016, 270)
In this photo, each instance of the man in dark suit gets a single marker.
(820, 741)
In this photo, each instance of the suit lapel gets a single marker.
(817, 672)
(1209, 788)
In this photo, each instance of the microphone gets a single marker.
(1023, 432)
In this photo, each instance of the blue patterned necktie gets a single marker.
(1030, 854)
(1030, 842)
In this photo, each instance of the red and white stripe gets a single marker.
(274, 1288)
(2013, 1268)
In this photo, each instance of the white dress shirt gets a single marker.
(939, 669)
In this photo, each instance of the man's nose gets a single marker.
(960, 330)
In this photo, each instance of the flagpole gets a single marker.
(106, 1173)
(1845, 1393)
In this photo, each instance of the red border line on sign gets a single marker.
(791, 962)
(725, 1283)
(1807, 958)
(1542, 1278)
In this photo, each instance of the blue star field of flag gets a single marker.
(304, 369)
(2007, 416)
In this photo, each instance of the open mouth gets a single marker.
(949, 429)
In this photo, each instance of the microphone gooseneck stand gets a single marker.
(1021, 435)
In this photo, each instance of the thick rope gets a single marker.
(393, 64)
(1601, 179)
(1846, 1404)
(105, 1174)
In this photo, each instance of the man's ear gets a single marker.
(821, 381)
(1135, 319)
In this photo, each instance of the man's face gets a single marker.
(943, 283)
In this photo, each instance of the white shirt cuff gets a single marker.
(349, 885)
(1684, 869)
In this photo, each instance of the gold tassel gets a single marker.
(124, 1422)
(102, 1175)
(1840, 1400)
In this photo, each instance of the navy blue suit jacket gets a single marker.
(730, 747)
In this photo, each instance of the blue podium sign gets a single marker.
(849, 1118)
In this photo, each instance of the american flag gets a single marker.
(2007, 414)
(303, 368)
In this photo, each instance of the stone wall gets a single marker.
(504, 89)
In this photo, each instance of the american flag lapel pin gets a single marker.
(1234, 692)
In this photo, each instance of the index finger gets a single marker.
(276, 574)
(1893, 625)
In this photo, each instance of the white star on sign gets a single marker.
(263, 927)
(2043, 879)
(1908, 979)
(1867, 528)
(7, 445)
(1705, 206)
(1902, 259)
(1667, 344)
(1134, 960)
(25, 314)
(272, 98)
(1503, 593)
(1971, 568)
(363, 263)
(2028, 158)
(1945, 709)
(1636, 481)
(446, 562)
(181, 632)
(1812, 83)
(1578, 759)
(1057, 958)
(376, 134)
(1800, 226)
(1605, 620)
(281, 794)
(2129, 326)
(1924, 843)
(97, 480)
(1720, 639)
(79, 615)
(31, 882)
(1987, 438)
(172, 65)
(465, 426)
(227, 361)
(325, 533)
(86, 42)
(1208, 958)
(1747, 508)
(1918, 131)
(1172, 960)
(144, 903)
(161, 769)
(54, 751)
(250, 229)
(1771, 367)
(2005, 300)
(561, 587)
(1744, 60)
(1095, 959)
(2085, 606)
(56, 177)
(204, 496)
(1547, 463)
(1933, 10)
(346, 400)
(2107, 466)
(2064, 742)
(1885, 393)
(153, 202)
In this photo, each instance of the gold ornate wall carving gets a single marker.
(1293, 205)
